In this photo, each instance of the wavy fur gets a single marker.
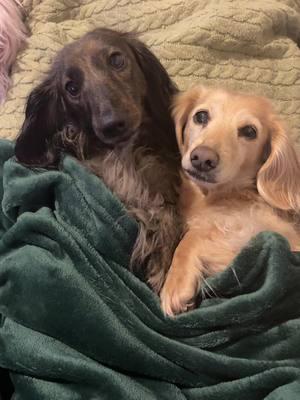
(132, 104)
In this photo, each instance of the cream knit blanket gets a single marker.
(245, 45)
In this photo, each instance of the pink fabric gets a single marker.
(12, 36)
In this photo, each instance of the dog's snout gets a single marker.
(113, 127)
(204, 159)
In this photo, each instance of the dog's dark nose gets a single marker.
(204, 159)
(112, 128)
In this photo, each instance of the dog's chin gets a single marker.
(117, 140)
(201, 179)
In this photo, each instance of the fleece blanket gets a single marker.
(241, 44)
(76, 324)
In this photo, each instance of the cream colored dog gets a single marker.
(240, 176)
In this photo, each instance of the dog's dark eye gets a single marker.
(248, 132)
(201, 117)
(117, 60)
(72, 88)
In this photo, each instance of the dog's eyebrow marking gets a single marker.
(75, 74)
(96, 60)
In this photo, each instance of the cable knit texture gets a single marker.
(249, 46)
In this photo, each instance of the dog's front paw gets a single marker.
(178, 295)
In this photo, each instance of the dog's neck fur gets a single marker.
(145, 177)
(243, 194)
(244, 190)
(145, 159)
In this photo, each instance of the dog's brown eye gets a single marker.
(117, 60)
(72, 88)
(201, 117)
(248, 132)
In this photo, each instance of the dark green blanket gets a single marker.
(77, 325)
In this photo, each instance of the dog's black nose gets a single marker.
(112, 128)
(204, 159)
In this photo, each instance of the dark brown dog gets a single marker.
(106, 101)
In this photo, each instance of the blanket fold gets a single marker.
(76, 324)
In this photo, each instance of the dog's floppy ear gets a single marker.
(182, 106)
(278, 180)
(160, 87)
(43, 118)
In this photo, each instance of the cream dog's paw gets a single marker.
(178, 295)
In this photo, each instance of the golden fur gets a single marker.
(256, 187)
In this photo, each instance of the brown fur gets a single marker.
(118, 123)
(143, 184)
(254, 187)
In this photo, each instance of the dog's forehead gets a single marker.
(103, 40)
(237, 104)
(214, 101)
(252, 107)
(218, 97)
(92, 46)
(225, 99)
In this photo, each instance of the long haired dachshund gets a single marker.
(240, 176)
(106, 101)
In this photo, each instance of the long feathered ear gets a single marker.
(160, 87)
(278, 180)
(182, 106)
(43, 118)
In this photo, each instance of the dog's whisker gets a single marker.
(210, 290)
(235, 275)
(203, 292)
